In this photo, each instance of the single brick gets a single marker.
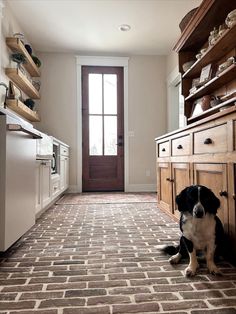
(172, 288)
(107, 284)
(183, 305)
(108, 300)
(213, 285)
(66, 286)
(201, 294)
(91, 310)
(126, 276)
(155, 297)
(216, 311)
(22, 305)
(135, 308)
(129, 290)
(62, 302)
(223, 302)
(84, 293)
(7, 296)
(23, 288)
(41, 295)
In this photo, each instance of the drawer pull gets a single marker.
(208, 141)
(179, 147)
(163, 150)
(169, 179)
(223, 193)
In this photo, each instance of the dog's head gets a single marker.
(197, 200)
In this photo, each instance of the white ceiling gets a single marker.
(91, 26)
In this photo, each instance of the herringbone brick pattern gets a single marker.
(104, 259)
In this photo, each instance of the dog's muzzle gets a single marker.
(198, 211)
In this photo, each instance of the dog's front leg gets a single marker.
(213, 269)
(193, 263)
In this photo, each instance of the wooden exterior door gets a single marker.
(214, 176)
(103, 128)
(181, 179)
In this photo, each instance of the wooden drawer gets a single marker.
(164, 149)
(64, 150)
(181, 146)
(212, 140)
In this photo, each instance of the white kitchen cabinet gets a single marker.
(17, 180)
(64, 168)
(43, 184)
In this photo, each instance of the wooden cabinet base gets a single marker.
(211, 162)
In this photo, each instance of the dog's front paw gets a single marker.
(214, 270)
(190, 271)
(175, 258)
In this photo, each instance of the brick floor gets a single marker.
(104, 258)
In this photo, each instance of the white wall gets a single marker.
(147, 116)
(146, 112)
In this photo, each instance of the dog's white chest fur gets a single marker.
(201, 231)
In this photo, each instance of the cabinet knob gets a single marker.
(179, 147)
(169, 179)
(163, 150)
(208, 141)
(223, 193)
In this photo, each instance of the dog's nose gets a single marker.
(198, 211)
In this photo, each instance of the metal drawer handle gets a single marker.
(208, 141)
(179, 147)
(223, 193)
(163, 150)
(19, 128)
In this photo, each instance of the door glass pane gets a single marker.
(95, 93)
(110, 135)
(95, 135)
(110, 93)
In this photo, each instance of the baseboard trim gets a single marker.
(73, 189)
(141, 188)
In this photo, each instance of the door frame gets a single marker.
(100, 61)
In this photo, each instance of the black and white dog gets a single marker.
(201, 228)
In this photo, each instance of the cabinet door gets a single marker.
(38, 202)
(181, 179)
(66, 173)
(164, 186)
(214, 176)
(62, 172)
(46, 182)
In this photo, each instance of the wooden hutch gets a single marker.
(204, 152)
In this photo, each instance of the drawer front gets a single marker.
(164, 149)
(181, 146)
(213, 140)
(55, 187)
(64, 150)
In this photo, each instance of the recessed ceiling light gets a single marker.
(124, 27)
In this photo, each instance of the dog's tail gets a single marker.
(170, 249)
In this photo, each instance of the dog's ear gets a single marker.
(181, 200)
(214, 203)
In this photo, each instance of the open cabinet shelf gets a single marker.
(22, 82)
(16, 45)
(223, 78)
(224, 44)
(18, 106)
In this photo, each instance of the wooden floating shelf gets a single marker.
(22, 82)
(18, 106)
(221, 79)
(224, 44)
(16, 45)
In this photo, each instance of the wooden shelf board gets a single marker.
(16, 45)
(212, 110)
(17, 106)
(221, 79)
(22, 82)
(224, 44)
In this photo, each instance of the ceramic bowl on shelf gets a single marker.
(231, 19)
(187, 65)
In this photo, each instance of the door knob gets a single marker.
(223, 193)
